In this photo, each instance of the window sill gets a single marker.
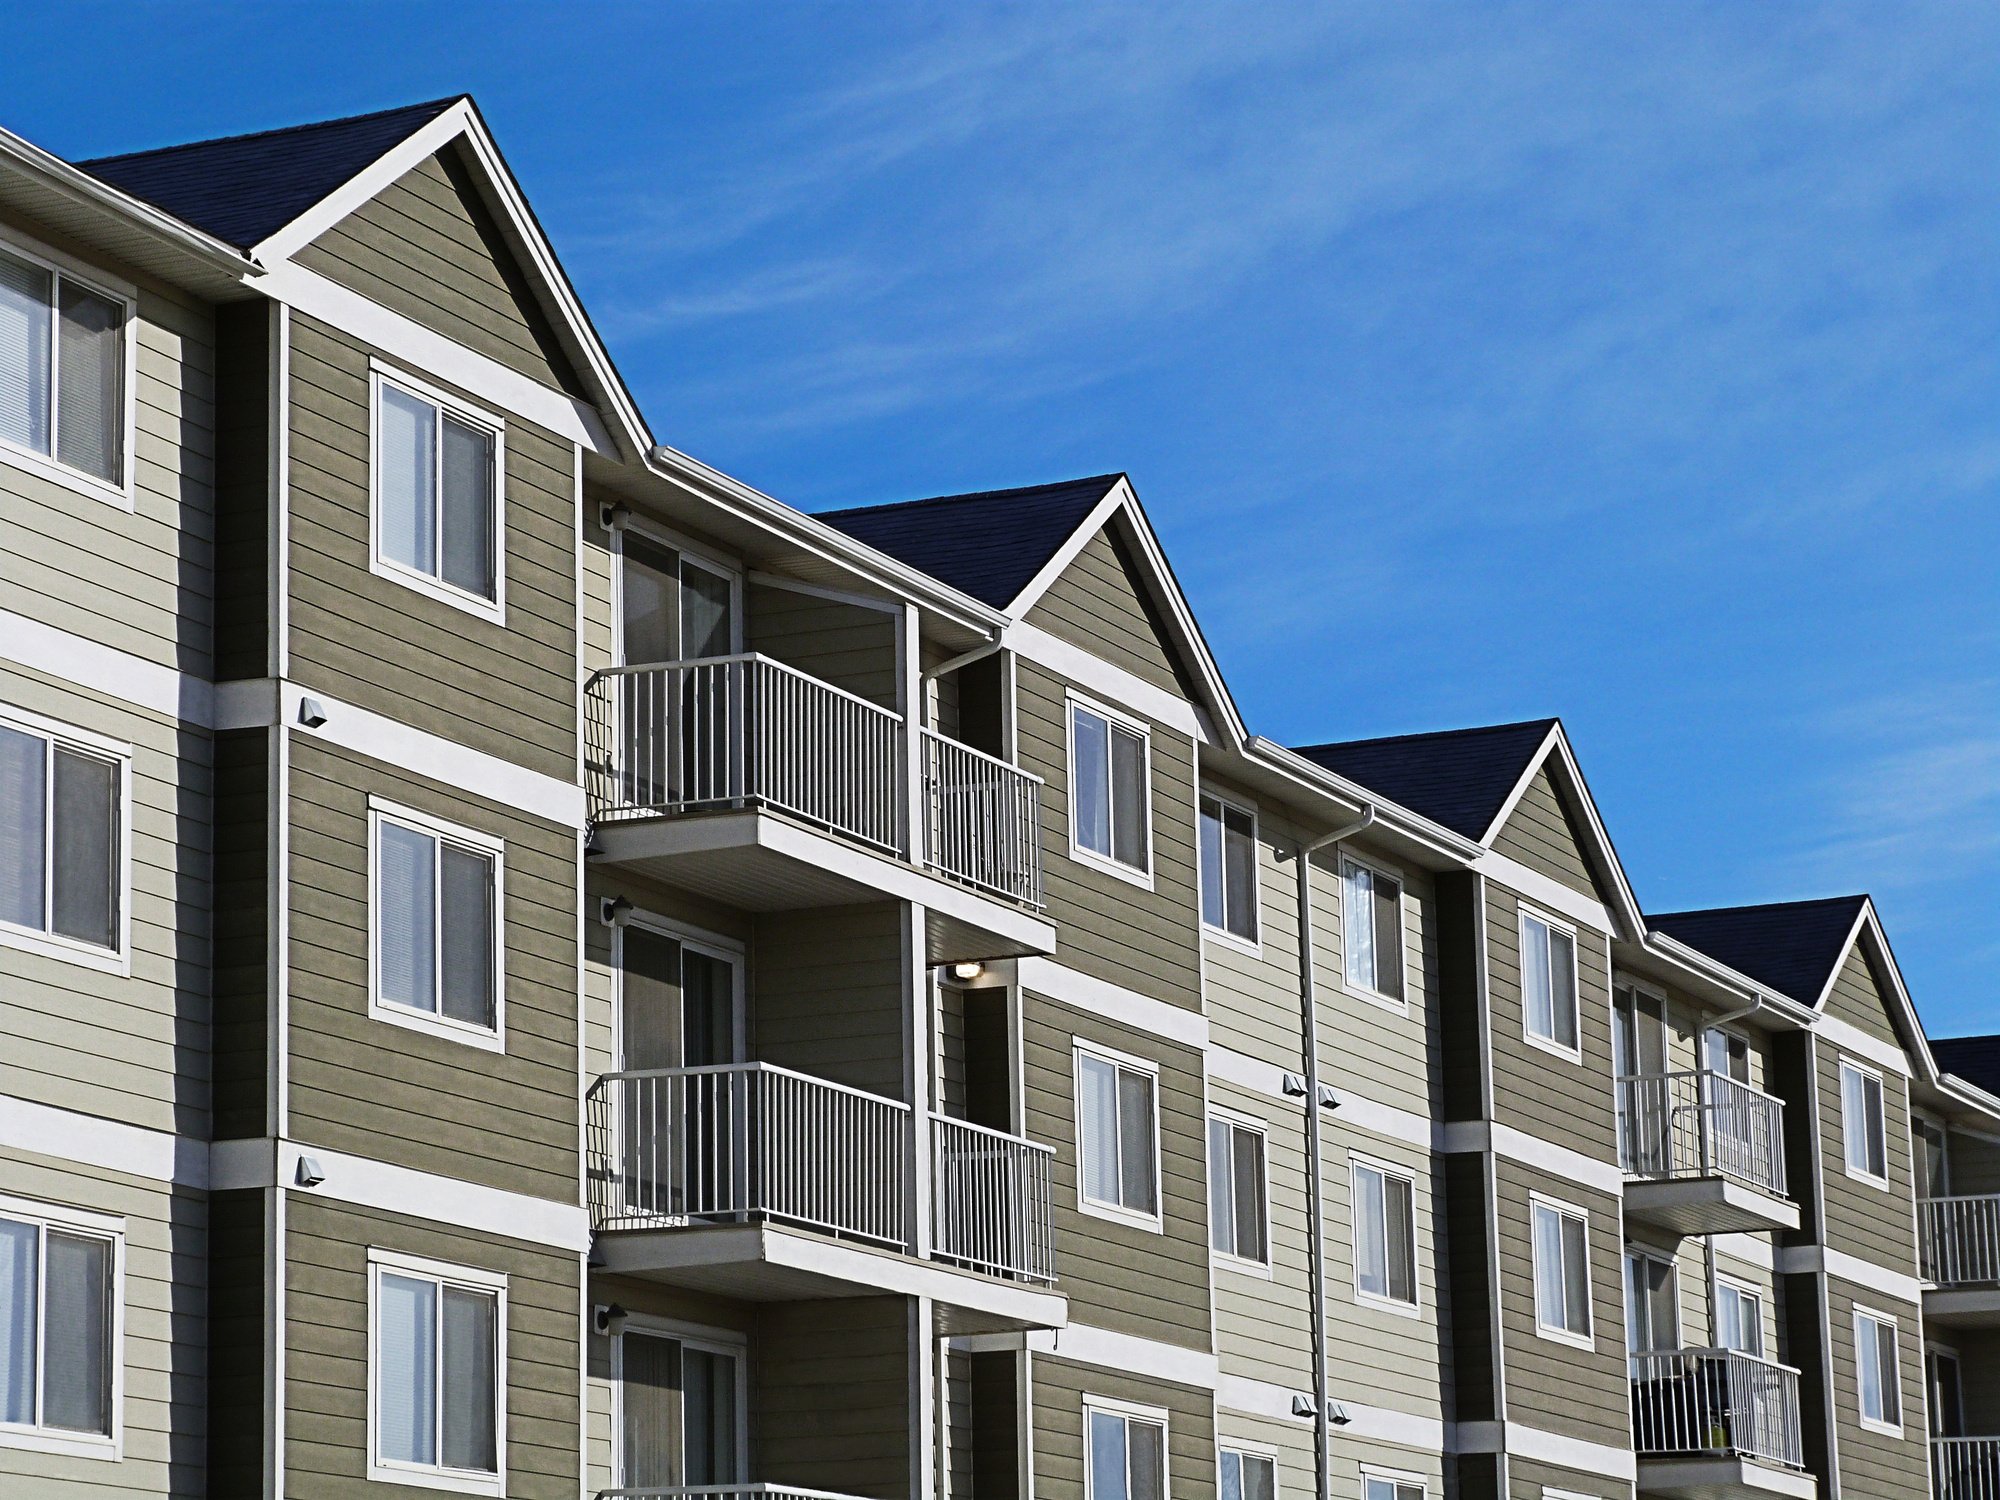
(457, 1482)
(1375, 998)
(1222, 1260)
(1104, 864)
(1564, 1336)
(450, 1031)
(1885, 1429)
(1223, 937)
(67, 950)
(1867, 1179)
(493, 611)
(42, 467)
(1111, 1213)
(1388, 1305)
(1554, 1049)
(68, 1444)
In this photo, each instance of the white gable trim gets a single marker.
(1114, 499)
(1521, 786)
(364, 185)
(1631, 922)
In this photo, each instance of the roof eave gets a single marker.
(1674, 951)
(1314, 777)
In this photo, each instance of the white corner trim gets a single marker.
(1852, 1039)
(1113, 1002)
(1098, 676)
(112, 1145)
(1127, 1352)
(1540, 890)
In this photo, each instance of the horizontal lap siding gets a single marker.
(1528, 1479)
(1059, 1386)
(326, 1348)
(1109, 928)
(1541, 834)
(1973, 1163)
(1374, 1049)
(166, 1313)
(129, 1048)
(1263, 1322)
(1467, 1239)
(1096, 605)
(1874, 1465)
(827, 994)
(243, 450)
(1253, 998)
(830, 1396)
(386, 1091)
(1404, 1361)
(842, 644)
(508, 689)
(1876, 1223)
(1118, 1276)
(238, 1339)
(1546, 1095)
(1289, 1442)
(243, 978)
(1551, 1385)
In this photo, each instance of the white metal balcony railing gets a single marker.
(1716, 1401)
(1959, 1239)
(1674, 1125)
(991, 1200)
(721, 1492)
(982, 820)
(1966, 1468)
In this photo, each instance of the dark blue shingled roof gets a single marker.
(245, 188)
(1792, 946)
(990, 544)
(1457, 777)
(1976, 1059)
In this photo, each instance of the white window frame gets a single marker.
(48, 943)
(1394, 1478)
(1555, 924)
(1361, 991)
(1659, 1258)
(1892, 1379)
(686, 549)
(110, 1227)
(1848, 1124)
(46, 465)
(1117, 1213)
(471, 1278)
(1072, 701)
(1239, 1121)
(1254, 946)
(1553, 1331)
(382, 375)
(1936, 1351)
(493, 1039)
(1244, 1448)
(1741, 1288)
(1131, 1411)
(692, 939)
(1356, 1163)
(700, 1336)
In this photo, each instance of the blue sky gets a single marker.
(1639, 364)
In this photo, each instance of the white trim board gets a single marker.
(1100, 677)
(1531, 1151)
(1523, 1441)
(54, 652)
(1873, 1050)
(1127, 1352)
(1798, 1260)
(113, 1145)
(1054, 981)
(1540, 890)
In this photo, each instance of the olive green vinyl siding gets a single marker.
(142, 581)
(1858, 999)
(243, 448)
(951, 1051)
(954, 1375)
(599, 563)
(326, 1348)
(242, 926)
(844, 644)
(1804, 1348)
(1972, 1163)
(1353, 1458)
(1979, 1375)
(1874, 1221)
(827, 994)
(1120, 1276)
(1468, 1229)
(508, 689)
(1375, 1049)
(1111, 929)
(1535, 1090)
(1253, 998)
(166, 1313)
(1530, 1479)
(1262, 1322)
(1060, 1386)
(1097, 604)
(1541, 834)
(994, 1406)
(830, 1396)
(131, 1048)
(1553, 1385)
(396, 1094)
(1474, 1476)
(1290, 1443)
(238, 1339)
(427, 247)
(1875, 1465)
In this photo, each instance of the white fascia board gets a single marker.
(1114, 498)
(1103, 679)
(1701, 966)
(1287, 762)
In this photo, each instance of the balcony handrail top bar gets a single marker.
(1710, 1073)
(999, 1135)
(1961, 1198)
(751, 1067)
(1734, 1354)
(673, 1491)
(977, 754)
(758, 658)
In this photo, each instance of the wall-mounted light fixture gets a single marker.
(613, 910)
(605, 1314)
(615, 515)
(966, 973)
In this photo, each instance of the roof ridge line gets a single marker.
(442, 104)
(1429, 734)
(1017, 489)
(1710, 911)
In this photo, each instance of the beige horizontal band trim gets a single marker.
(111, 1145)
(116, 674)
(1800, 1260)
(1114, 1002)
(1128, 1354)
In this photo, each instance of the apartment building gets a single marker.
(530, 968)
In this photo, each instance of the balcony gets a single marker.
(1707, 1151)
(722, 1492)
(774, 790)
(1713, 1423)
(757, 1182)
(1965, 1468)
(1958, 1247)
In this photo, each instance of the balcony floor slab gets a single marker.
(1963, 1307)
(1721, 1477)
(1708, 1205)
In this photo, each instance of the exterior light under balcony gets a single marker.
(614, 910)
(966, 973)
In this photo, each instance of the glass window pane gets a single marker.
(23, 838)
(1249, 1181)
(1892, 1396)
(1239, 848)
(1148, 1461)
(647, 586)
(1232, 1476)
(1221, 1190)
(406, 1377)
(1136, 1175)
(1099, 1146)
(1213, 910)
(711, 1418)
(406, 918)
(90, 407)
(1877, 1136)
(76, 1376)
(406, 449)
(1370, 1234)
(466, 944)
(20, 1270)
(649, 1398)
(1562, 986)
(24, 354)
(1092, 738)
(1260, 1478)
(1128, 794)
(86, 849)
(1357, 927)
(1548, 1267)
(1107, 1457)
(1535, 993)
(468, 507)
(705, 613)
(469, 1369)
(1388, 922)
(1576, 1277)
(1854, 1119)
(1399, 1219)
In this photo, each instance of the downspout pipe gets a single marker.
(1316, 1208)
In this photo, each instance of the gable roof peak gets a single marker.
(1791, 946)
(1461, 778)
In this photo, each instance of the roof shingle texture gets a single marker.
(1976, 1059)
(1792, 946)
(245, 188)
(1460, 778)
(990, 544)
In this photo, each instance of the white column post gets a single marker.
(910, 697)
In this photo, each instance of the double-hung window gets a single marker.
(1385, 1234)
(1118, 1136)
(1128, 1451)
(1236, 1207)
(438, 503)
(1863, 1123)
(62, 836)
(1878, 1371)
(1548, 982)
(437, 1393)
(1109, 799)
(1562, 1271)
(1371, 928)
(63, 397)
(1247, 1475)
(1229, 868)
(436, 939)
(59, 1299)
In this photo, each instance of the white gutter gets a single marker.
(1288, 762)
(963, 659)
